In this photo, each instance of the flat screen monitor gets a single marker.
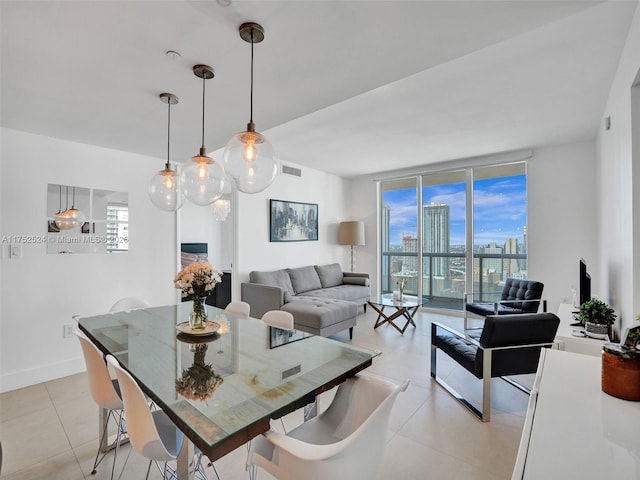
(585, 283)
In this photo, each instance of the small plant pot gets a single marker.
(596, 330)
(621, 372)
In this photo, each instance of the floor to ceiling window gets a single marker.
(443, 238)
(448, 233)
(499, 225)
(399, 232)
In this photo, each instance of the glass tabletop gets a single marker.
(408, 301)
(222, 389)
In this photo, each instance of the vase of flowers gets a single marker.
(401, 283)
(199, 381)
(196, 282)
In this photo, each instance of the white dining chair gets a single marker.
(106, 393)
(345, 442)
(279, 319)
(241, 309)
(151, 433)
(128, 303)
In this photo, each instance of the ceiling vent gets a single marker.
(296, 172)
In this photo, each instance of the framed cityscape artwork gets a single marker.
(293, 221)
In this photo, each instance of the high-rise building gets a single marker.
(436, 236)
(493, 265)
(523, 249)
(385, 229)
(510, 266)
(410, 263)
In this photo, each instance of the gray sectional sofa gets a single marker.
(322, 298)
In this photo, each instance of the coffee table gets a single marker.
(405, 308)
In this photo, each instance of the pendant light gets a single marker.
(203, 179)
(73, 213)
(249, 158)
(165, 190)
(71, 216)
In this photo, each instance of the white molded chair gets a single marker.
(241, 309)
(105, 392)
(279, 318)
(128, 303)
(152, 434)
(344, 442)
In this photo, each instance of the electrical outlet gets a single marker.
(67, 331)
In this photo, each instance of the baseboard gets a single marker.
(45, 373)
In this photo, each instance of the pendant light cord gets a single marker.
(203, 87)
(251, 95)
(168, 134)
(60, 197)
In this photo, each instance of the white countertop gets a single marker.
(578, 431)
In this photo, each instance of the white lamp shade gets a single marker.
(351, 233)
(250, 162)
(203, 181)
(165, 190)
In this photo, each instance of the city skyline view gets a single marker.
(499, 210)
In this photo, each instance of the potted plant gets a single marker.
(597, 317)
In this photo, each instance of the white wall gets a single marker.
(251, 212)
(561, 229)
(619, 201)
(563, 220)
(40, 291)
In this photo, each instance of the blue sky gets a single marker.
(499, 209)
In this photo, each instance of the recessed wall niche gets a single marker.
(98, 221)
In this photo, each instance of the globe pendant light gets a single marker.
(203, 179)
(165, 190)
(248, 157)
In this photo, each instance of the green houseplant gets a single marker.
(597, 317)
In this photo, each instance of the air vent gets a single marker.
(296, 172)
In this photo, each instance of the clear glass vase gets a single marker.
(198, 317)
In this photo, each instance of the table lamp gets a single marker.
(351, 233)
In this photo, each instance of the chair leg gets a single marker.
(148, 470)
(103, 442)
(485, 414)
(486, 385)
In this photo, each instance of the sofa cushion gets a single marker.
(319, 313)
(304, 279)
(350, 293)
(277, 278)
(330, 275)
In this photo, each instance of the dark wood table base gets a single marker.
(405, 312)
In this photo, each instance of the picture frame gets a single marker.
(631, 337)
(279, 336)
(293, 221)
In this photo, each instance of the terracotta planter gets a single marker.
(621, 372)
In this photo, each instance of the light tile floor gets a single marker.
(49, 431)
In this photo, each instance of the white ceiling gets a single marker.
(348, 87)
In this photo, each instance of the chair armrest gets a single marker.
(301, 449)
(475, 294)
(262, 298)
(461, 335)
(539, 300)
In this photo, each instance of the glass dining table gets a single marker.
(221, 388)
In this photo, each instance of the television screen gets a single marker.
(585, 283)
